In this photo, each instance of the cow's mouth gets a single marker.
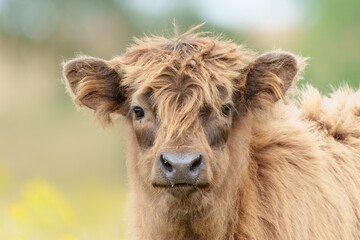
(182, 189)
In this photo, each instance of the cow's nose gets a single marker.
(181, 168)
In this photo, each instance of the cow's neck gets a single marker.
(215, 217)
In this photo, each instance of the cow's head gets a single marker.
(183, 98)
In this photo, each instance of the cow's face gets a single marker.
(181, 99)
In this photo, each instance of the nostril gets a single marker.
(196, 164)
(167, 166)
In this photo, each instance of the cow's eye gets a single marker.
(226, 110)
(139, 113)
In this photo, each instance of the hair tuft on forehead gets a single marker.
(183, 74)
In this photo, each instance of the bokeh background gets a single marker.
(62, 177)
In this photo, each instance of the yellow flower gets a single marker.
(18, 212)
(43, 207)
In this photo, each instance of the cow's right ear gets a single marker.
(95, 83)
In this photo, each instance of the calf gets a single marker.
(219, 147)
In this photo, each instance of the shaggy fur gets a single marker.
(278, 168)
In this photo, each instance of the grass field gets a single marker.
(57, 184)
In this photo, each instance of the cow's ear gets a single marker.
(269, 76)
(95, 83)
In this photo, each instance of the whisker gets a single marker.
(129, 112)
(234, 109)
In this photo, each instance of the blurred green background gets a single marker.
(62, 177)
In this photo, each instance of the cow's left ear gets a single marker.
(268, 77)
(96, 84)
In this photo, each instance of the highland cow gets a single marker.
(223, 145)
